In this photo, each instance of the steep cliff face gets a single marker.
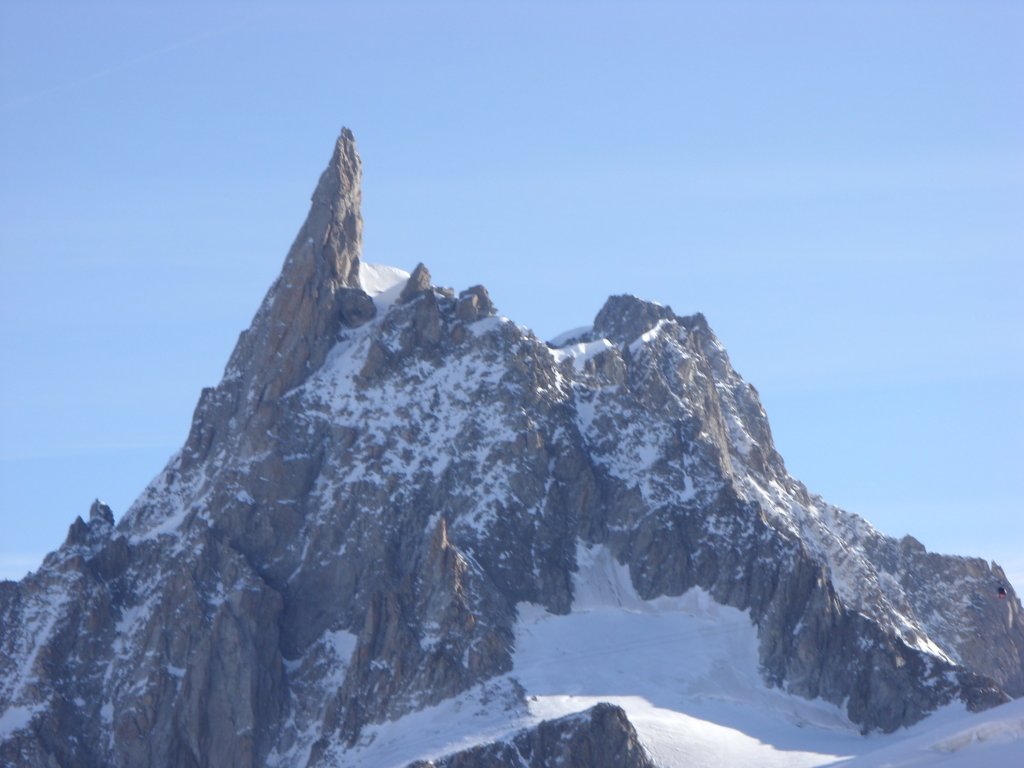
(388, 472)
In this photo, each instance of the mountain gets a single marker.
(403, 529)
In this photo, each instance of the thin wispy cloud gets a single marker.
(130, 63)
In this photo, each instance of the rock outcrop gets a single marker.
(387, 470)
(600, 737)
(317, 293)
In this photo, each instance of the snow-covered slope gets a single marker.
(685, 670)
(952, 739)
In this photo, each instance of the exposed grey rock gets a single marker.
(624, 318)
(299, 319)
(600, 737)
(474, 303)
(100, 511)
(470, 640)
(345, 537)
(376, 358)
(356, 307)
(425, 330)
(419, 283)
(78, 533)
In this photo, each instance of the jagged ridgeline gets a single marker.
(391, 476)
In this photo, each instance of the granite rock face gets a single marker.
(316, 294)
(388, 469)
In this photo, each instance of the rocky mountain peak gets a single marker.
(100, 511)
(397, 504)
(299, 317)
(419, 282)
(317, 293)
(625, 318)
(334, 222)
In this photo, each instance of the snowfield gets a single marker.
(950, 739)
(685, 670)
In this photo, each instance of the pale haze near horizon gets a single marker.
(839, 188)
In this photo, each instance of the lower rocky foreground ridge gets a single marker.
(403, 530)
(600, 737)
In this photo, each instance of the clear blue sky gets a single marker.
(839, 187)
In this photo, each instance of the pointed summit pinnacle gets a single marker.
(334, 222)
(299, 319)
(340, 192)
